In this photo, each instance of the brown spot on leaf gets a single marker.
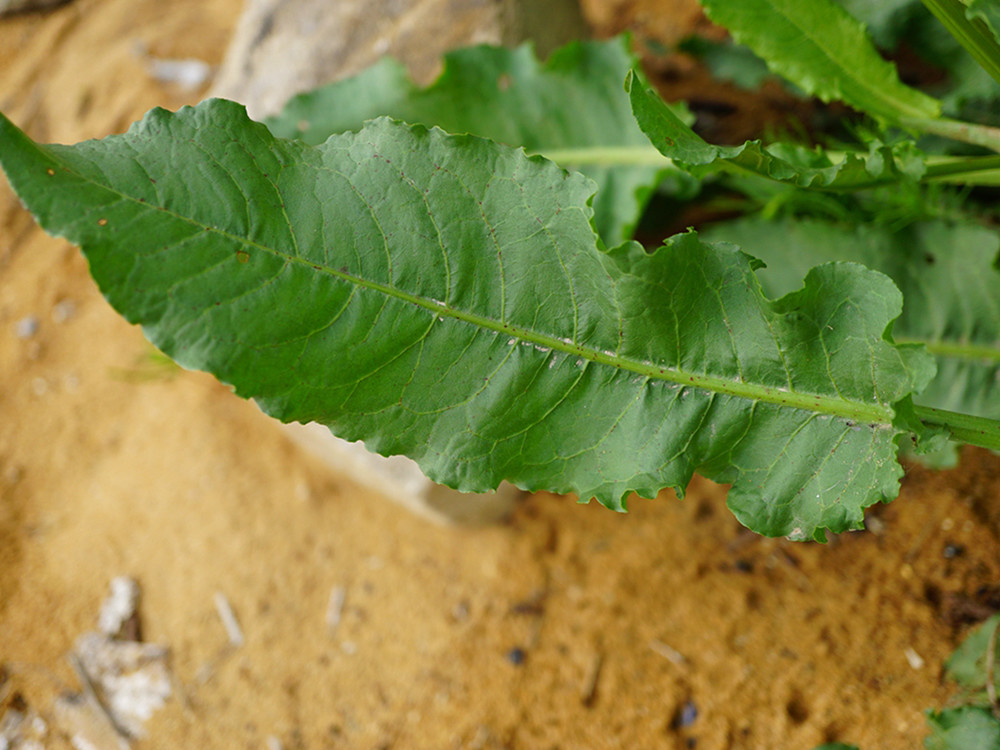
(242, 256)
(102, 222)
(50, 171)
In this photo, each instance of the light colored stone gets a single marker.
(283, 47)
(399, 479)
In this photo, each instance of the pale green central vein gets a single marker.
(608, 156)
(850, 410)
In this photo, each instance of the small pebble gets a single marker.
(952, 551)
(516, 656)
(187, 74)
(914, 659)
(63, 311)
(685, 715)
(27, 327)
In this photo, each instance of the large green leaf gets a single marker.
(446, 297)
(572, 104)
(949, 280)
(823, 50)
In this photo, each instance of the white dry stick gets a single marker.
(90, 693)
(668, 653)
(916, 660)
(335, 608)
(228, 619)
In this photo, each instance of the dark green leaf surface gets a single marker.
(964, 728)
(967, 666)
(783, 163)
(823, 50)
(885, 21)
(446, 298)
(730, 62)
(970, 26)
(948, 277)
(571, 103)
(988, 12)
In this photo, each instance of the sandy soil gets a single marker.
(555, 630)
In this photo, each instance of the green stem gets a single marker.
(963, 170)
(964, 428)
(971, 33)
(960, 351)
(966, 132)
(608, 156)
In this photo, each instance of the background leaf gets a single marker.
(949, 280)
(964, 728)
(823, 50)
(988, 13)
(446, 298)
(780, 162)
(971, 29)
(574, 101)
(728, 61)
(967, 665)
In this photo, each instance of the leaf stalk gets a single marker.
(956, 130)
(963, 428)
(971, 33)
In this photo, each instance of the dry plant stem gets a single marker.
(91, 692)
(229, 621)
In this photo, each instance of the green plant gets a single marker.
(972, 722)
(474, 307)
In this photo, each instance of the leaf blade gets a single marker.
(948, 277)
(823, 50)
(509, 96)
(972, 26)
(446, 297)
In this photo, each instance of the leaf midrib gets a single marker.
(860, 412)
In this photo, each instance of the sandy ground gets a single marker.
(567, 627)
